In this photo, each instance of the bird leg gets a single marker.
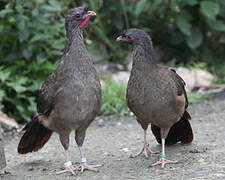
(162, 158)
(68, 165)
(145, 149)
(83, 165)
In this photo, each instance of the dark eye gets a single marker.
(85, 9)
(77, 16)
(128, 37)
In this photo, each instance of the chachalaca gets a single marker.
(156, 95)
(70, 98)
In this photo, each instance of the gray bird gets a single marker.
(70, 98)
(156, 95)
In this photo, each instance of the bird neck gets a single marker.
(143, 52)
(74, 39)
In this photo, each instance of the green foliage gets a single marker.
(32, 39)
(113, 99)
(19, 86)
(194, 97)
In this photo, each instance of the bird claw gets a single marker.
(164, 161)
(84, 166)
(146, 151)
(67, 169)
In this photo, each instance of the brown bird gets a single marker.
(70, 98)
(156, 95)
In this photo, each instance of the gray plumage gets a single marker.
(70, 98)
(155, 93)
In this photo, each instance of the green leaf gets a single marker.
(4, 75)
(209, 9)
(26, 53)
(18, 83)
(183, 24)
(24, 34)
(176, 38)
(17, 87)
(217, 25)
(190, 2)
(196, 38)
(4, 12)
(39, 37)
(53, 7)
(2, 94)
(140, 6)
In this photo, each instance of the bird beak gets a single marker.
(119, 38)
(91, 13)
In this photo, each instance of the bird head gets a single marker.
(78, 17)
(140, 41)
(134, 36)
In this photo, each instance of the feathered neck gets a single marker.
(74, 39)
(143, 51)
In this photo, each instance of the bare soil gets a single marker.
(112, 144)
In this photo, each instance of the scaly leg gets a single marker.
(68, 165)
(145, 149)
(83, 165)
(162, 158)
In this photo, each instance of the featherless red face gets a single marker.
(86, 17)
(78, 17)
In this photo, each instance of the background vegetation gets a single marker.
(32, 39)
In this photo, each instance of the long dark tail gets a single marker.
(34, 138)
(179, 132)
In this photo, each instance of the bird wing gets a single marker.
(181, 131)
(180, 85)
(46, 96)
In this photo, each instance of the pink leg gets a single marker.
(145, 149)
(162, 160)
(68, 166)
(83, 165)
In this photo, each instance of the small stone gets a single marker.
(121, 77)
(119, 123)
(8, 124)
(202, 77)
(106, 153)
(30, 168)
(131, 113)
(201, 160)
(125, 149)
(101, 122)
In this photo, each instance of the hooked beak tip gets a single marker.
(119, 38)
(91, 13)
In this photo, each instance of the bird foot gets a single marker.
(146, 151)
(164, 161)
(84, 166)
(68, 168)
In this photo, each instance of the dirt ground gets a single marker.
(112, 144)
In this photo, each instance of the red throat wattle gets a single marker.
(84, 22)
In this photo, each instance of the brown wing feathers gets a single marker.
(34, 138)
(180, 131)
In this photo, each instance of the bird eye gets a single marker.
(85, 9)
(129, 37)
(77, 15)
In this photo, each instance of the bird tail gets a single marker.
(179, 132)
(35, 136)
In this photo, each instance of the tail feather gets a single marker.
(179, 132)
(34, 138)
